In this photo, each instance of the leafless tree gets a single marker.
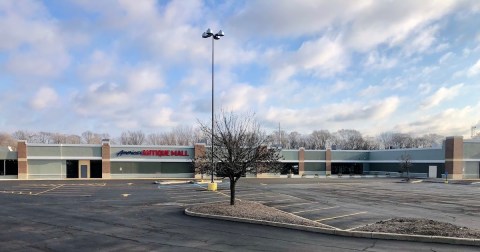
(385, 139)
(294, 139)
(239, 147)
(319, 139)
(370, 143)
(406, 163)
(57, 138)
(184, 135)
(74, 139)
(132, 138)
(348, 139)
(7, 140)
(23, 135)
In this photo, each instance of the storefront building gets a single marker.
(458, 158)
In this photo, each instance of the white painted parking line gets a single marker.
(340, 216)
(202, 203)
(297, 204)
(49, 190)
(196, 199)
(276, 201)
(187, 196)
(312, 210)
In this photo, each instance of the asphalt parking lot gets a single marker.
(138, 215)
(349, 203)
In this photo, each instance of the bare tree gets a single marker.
(294, 139)
(370, 143)
(184, 135)
(57, 138)
(74, 139)
(91, 137)
(239, 147)
(406, 163)
(7, 140)
(132, 138)
(385, 139)
(22, 135)
(319, 139)
(348, 139)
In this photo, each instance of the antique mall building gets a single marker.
(459, 158)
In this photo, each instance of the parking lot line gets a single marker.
(340, 216)
(202, 203)
(311, 210)
(297, 204)
(196, 199)
(51, 189)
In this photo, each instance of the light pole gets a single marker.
(216, 36)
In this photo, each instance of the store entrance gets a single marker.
(72, 168)
(347, 168)
(95, 168)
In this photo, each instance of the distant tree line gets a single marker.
(344, 139)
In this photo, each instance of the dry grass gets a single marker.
(420, 227)
(253, 210)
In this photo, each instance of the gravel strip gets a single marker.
(253, 210)
(420, 227)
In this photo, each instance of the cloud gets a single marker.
(446, 57)
(377, 61)
(449, 122)
(474, 70)
(442, 94)
(376, 110)
(45, 97)
(32, 41)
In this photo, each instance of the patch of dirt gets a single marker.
(413, 226)
(253, 210)
(420, 227)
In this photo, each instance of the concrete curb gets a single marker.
(359, 234)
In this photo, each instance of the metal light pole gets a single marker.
(216, 36)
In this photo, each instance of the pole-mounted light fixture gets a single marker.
(208, 33)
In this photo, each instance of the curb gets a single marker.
(358, 234)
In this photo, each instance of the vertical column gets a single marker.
(22, 159)
(301, 161)
(106, 159)
(199, 152)
(328, 162)
(454, 157)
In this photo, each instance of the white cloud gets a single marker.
(32, 40)
(449, 122)
(474, 70)
(446, 57)
(99, 65)
(45, 97)
(377, 61)
(442, 94)
(143, 79)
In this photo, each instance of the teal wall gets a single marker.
(315, 155)
(289, 154)
(350, 155)
(150, 167)
(416, 154)
(47, 169)
(416, 167)
(64, 151)
(471, 150)
(5, 154)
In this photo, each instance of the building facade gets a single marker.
(457, 158)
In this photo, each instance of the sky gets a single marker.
(111, 66)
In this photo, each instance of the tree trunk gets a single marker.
(232, 191)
